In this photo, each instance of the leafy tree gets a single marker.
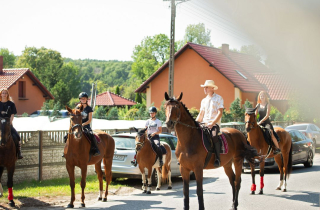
(8, 58)
(251, 50)
(117, 90)
(226, 116)
(99, 112)
(45, 109)
(113, 114)
(194, 112)
(197, 33)
(275, 114)
(236, 111)
(56, 109)
(247, 104)
(138, 98)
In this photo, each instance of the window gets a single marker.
(313, 128)
(22, 89)
(294, 136)
(244, 77)
(300, 136)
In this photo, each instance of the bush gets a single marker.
(194, 112)
(113, 114)
(99, 112)
(226, 116)
(275, 114)
(25, 114)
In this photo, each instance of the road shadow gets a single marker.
(305, 196)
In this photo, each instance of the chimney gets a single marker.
(1, 64)
(225, 49)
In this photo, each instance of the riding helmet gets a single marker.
(83, 94)
(152, 109)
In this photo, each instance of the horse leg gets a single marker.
(99, 175)
(229, 172)
(144, 180)
(159, 179)
(253, 173)
(186, 179)
(108, 172)
(149, 180)
(70, 170)
(238, 162)
(279, 161)
(261, 172)
(10, 171)
(1, 189)
(169, 177)
(83, 184)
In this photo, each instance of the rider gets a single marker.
(86, 120)
(210, 114)
(8, 109)
(154, 128)
(263, 108)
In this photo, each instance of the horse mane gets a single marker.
(188, 112)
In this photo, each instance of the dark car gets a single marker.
(303, 150)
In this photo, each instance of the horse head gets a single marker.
(250, 119)
(140, 138)
(75, 121)
(172, 110)
(5, 130)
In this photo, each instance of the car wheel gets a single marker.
(192, 176)
(309, 162)
(154, 177)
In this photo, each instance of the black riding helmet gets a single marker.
(153, 109)
(83, 94)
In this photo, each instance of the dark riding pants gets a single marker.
(156, 140)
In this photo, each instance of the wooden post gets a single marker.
(40, 156)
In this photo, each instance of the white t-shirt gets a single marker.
(211, 105)
(153, 125)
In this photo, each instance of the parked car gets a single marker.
(309, 130)
(303, 150)
(125, 151)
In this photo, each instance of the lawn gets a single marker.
(55, 187)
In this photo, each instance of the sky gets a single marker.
(105, 29)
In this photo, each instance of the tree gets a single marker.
(117, 90)
(236, 111)
(99, 112)
(113, 114)
(56, 110)
(45, 109)
(251, 50)
(138, 98)
(197, 33)
(150, 55)
(8, 58)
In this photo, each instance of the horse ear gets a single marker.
(135, 129)
(69, 109)
(180, 97)
(80, 107)
(145, 130)
(166, 96)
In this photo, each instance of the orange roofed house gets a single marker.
(27, 92)
(111, 99)
(237, 75)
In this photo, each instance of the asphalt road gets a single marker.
(303, 193)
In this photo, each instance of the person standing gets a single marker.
(8, 109)
(210, 114)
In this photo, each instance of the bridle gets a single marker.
(179, 115)
(141, 144)
(251, 124)
(76, 125)
(3, 120)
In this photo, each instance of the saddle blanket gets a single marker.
(224, 144)
(96, 136)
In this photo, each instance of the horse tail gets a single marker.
(289, 166)
(250, 153)
(166, 165)
(165, 171)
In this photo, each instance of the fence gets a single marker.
(42, 151)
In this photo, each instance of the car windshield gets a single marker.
(297, 127)
(124, 143)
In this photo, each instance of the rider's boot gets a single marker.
(275, 139)
(19, 150)
(65, 138)
(96, 151)
(217, 147)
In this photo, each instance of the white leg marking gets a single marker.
(1, 190)
(149, 183)
(280, 184)
(143, 181)
(159, 179)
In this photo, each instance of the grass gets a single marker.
(55, 187)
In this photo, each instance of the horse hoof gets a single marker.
(158, 188)
(148, 192)
(99, 198)
(104, 200)
(70, 205)
(261, 192)
(169, 188)
(11, 203)
(284, 190)
(82, 205)
(253, 192)
(278, 188)
(144, 191)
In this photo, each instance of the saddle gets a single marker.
(266, 134)
(207, 140)
(154, 148)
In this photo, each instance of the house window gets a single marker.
(22, 89)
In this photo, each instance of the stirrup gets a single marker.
(276, 151)
(134, 163)
(217, 163)
(20, 157)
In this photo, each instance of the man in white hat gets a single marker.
(210, 114)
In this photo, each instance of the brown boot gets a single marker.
(19, 151)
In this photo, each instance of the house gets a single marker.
(237, 75)
(27, 92)
(111, 99)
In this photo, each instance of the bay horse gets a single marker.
(76, 152)
(147, 159)
(8, 156)
(191, 153)
(257, 140)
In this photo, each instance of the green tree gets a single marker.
(113, 114)
(236, 111)
(251, 50)
(8, 58)
(99, 112)
(194, 112)
(226, 116)
(198, 34)
(117, 90)
(275, 114)
(56, 110)
(138, 98)
(45, 109)
(247, 104)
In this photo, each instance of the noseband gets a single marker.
(141, 144)
(251, 124)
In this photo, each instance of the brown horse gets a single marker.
(191, 153)
(256, 139)
(76, 152)
(147, 159)
(8, 156)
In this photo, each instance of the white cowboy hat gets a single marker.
(210, 83)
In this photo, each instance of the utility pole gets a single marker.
(93, 98)
(172, 33)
